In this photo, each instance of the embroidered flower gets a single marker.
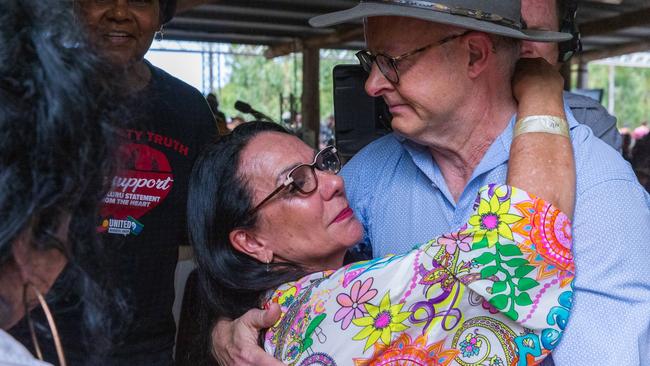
(407, 351)
(293, 352)
(496, 361)
(489, 307)
(353, 305)
(381, 322)
(438, 274)
(459, 240)
(492, 221)
(286, 298)
(471, 346)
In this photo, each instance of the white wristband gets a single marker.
(544, 124)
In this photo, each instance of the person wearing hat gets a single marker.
(553, 15)
(142, 220)
(444, 69)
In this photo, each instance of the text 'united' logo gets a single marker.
(144, 182)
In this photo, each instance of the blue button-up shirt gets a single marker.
(399, 193)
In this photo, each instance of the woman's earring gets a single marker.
(50, 321)
(268, 262)
(158, 36)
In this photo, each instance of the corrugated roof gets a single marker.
(609, 27)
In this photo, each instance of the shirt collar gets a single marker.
(498, 153)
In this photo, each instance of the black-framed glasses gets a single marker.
(303, 177)
(388, 64)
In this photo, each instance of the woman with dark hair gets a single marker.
(56, 141)
(271, 224)
(142, 219)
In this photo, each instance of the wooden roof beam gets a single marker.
(247, 26)
(184, 5)
(604, 26)
(342, 35)
(613, 51)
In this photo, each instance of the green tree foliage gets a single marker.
(632, 94)
(258, 81)
(265, 84)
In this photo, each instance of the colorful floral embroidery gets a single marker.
(492, 293)
(353, 305)
(438, 275)
(551, 234)
(496, 361)
(459, 240)
(471, 346)
(381, 322)
(489, 307)
(321, 359)
(509, 276)
(533, 241)
(404, 351)
(443, 292)
(496, 339)
(287, 297)
(491, 221)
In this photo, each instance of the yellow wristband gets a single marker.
(544, 124)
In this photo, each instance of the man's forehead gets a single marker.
(539, 12)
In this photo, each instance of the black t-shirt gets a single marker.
(143, 217)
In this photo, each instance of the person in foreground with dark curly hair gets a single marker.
(142, 218)
(55, 152)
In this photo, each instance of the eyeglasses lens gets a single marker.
(304, 179)
(386, 68)
(328, 161)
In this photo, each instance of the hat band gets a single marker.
(455, 10)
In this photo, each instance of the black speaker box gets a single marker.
(359, 118)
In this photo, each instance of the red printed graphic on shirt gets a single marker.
(144, 182)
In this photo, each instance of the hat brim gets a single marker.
(365, 10)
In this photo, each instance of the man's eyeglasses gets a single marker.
(388, 65)
(303, 177)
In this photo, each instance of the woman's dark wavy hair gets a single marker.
(219, 201)
(56, 144)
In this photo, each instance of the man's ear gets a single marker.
(480, 47)
(245, 241)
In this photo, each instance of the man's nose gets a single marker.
(377, 84)
(527, 50)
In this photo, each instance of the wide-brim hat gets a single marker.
(501, 17)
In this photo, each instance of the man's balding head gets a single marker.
(542, 15)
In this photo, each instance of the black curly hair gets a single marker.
(167, 10)
(57, 137)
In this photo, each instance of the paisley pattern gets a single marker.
(495, 292)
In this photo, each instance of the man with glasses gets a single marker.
(444, 69)
(555, 15)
